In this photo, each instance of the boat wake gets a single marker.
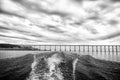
(61, 66)
(58, 66)
(46, 68)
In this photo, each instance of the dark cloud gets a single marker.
(2, 29)
(54, 29)
(38, 8)
(5, 28)
(84, 0)
(32, 34)
(91, 30)
(60, 40)
(74, 37)
(27, 33)
(20, 38)
(95, 17)
(12, 29)
(110, 36)
(78, 23)
(77, 0)
(13, 37)
(115, 0)
(62, 14)
(113, 22)
(103, 6)
(37, 35)
(10, 13)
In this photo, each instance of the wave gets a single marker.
(58, 66)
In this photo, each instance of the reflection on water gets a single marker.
(14, 53)
(112, 56)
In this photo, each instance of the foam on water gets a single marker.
(32, 74)
(53, 73)
(74, 67)
(53, 63)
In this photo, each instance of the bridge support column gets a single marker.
(108, 50)
(100, 49)
(39, 47)
(79, 48)
(92, 49)
(84, 49)
(55, 47)
(70, 48)
(60, 47)
(88, 50)
(65, 48)
(112, 51)
(74, 48)
(97, 50)
(33, 47)
(44, 47)
(116, 53)
(50, 47)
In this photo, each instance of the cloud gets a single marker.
(110, 36)
(115, 0)
(59, 21)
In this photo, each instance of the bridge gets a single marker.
(77, 48)
(108, 52)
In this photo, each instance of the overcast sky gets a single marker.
(60, 21)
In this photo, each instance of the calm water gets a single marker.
(100, 55)
(9, 53)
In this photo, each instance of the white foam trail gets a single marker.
(54, 71)
(53, 63)
(74, 67)
(34, 62)
(32, 73)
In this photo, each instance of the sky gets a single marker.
(60, 21)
